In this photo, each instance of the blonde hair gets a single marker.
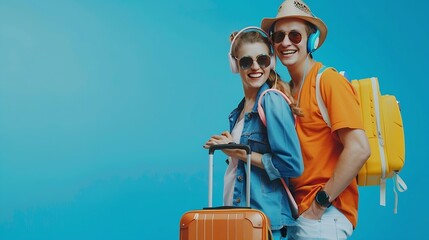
(274, 80)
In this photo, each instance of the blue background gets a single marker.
(105, 106)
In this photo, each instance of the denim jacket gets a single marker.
(281, 156)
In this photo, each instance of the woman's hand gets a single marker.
(223, 138)
(226, 138)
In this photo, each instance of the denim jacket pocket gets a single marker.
(258, 142)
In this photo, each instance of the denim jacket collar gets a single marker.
(236, 112)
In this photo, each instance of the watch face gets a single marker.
(322, 199)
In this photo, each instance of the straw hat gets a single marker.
(299, 10)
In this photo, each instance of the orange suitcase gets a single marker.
(225, 223)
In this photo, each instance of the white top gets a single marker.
(230, 173)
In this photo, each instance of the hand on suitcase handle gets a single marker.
(223, 138)
(213, 148)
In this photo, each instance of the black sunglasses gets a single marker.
(263, 61)
(294, 36)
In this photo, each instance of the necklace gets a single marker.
(302, 81)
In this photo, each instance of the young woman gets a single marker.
(275, 147)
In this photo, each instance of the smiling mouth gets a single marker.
(288, 52)
(255, 75)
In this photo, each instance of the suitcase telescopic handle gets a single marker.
(212, 149)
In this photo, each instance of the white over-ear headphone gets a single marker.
(233, 62)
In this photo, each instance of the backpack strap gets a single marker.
(401, 186)
(292, 203)
(383, 158)
(398, 183)
(291, 200)
(321, 104)
(261, 109)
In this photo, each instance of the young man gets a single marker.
(326, 193)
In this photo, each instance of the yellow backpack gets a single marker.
(383, 126)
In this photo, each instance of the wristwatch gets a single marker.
(322, 198)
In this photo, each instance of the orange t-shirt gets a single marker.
(320, 145)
